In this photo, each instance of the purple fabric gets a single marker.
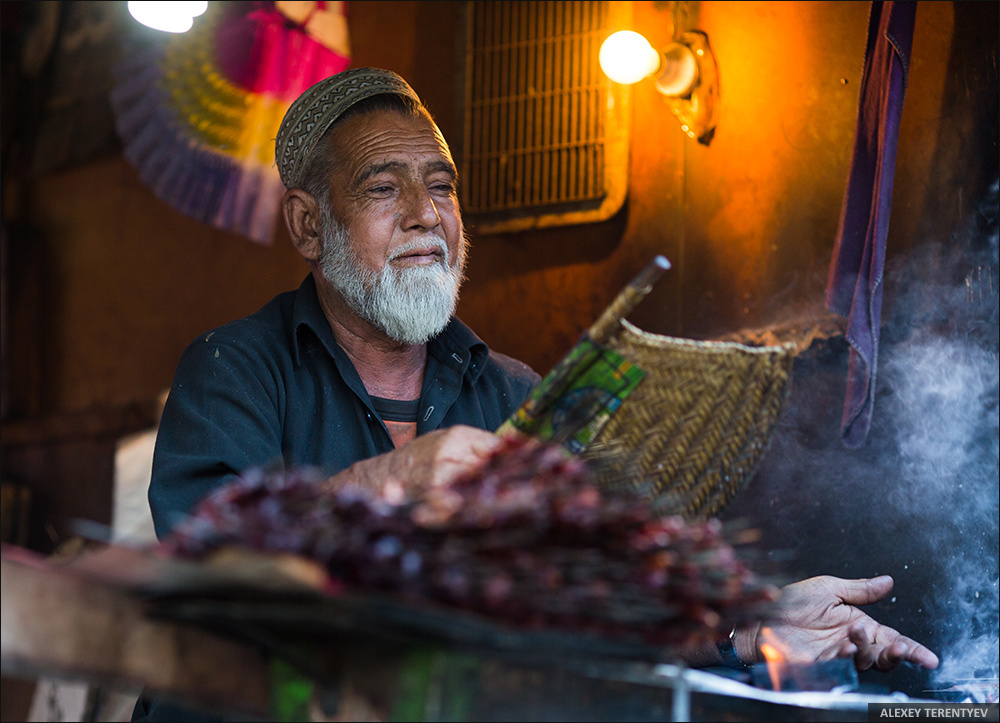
(854, 286)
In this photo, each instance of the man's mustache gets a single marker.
(430, 241)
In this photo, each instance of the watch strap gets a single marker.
(727, 649)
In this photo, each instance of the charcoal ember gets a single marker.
(529, 539)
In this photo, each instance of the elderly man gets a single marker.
(365, 372)
(355, 370)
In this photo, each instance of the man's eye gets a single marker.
(443, 187)
(380, 189)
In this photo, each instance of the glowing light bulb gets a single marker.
(626, 57)
(170, 17)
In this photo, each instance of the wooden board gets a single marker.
(60, 624)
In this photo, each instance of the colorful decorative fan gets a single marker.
(198, 112)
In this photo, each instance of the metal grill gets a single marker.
(539, 114)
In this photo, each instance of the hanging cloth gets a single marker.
(854, 285)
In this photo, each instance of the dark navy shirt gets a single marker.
(275, 387)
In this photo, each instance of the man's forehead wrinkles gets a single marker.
(398, 139)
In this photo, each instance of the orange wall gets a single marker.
(748, 221)
(125, 283)
(113, 284)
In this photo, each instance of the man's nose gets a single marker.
(420, 211)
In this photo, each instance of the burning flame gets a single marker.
(775, 661)
(788, 673)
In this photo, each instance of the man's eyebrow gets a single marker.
(430, 167)
(443, 166)
(376, 168)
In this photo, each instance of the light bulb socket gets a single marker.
(678, 73)
(692, 96)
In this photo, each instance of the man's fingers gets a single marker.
(457, 451)
(860, 635)
(486, 444)
(864, 659)
(885, 649)
(899, 648)
(847, 650)
(865, 655)
(866, 590)
(465, 442)
(925, 657)
(919, 654)
(892, 655)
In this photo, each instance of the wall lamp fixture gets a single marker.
(685, 73)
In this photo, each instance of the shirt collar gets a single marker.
(307, 312)
(457, 347)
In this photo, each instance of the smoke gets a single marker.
(969, 644)
(921, 499)
(946, 377)
(943, 405)
(953, 382)
(946, 430)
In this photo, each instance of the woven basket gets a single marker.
(687, 430)
(691, 434)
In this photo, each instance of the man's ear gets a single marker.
(302, 217)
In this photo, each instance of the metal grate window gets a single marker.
(546, 133)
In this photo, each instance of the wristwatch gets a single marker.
(727, 649)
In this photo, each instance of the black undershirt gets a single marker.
(399, 416)
(396, 410)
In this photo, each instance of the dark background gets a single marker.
(104, 285)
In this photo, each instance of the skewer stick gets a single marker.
(627, 299)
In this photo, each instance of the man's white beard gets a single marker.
(411, 304)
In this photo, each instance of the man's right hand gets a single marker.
(431, 459)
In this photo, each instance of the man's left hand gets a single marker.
(818, 620)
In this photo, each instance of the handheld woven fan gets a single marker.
(682, 421)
